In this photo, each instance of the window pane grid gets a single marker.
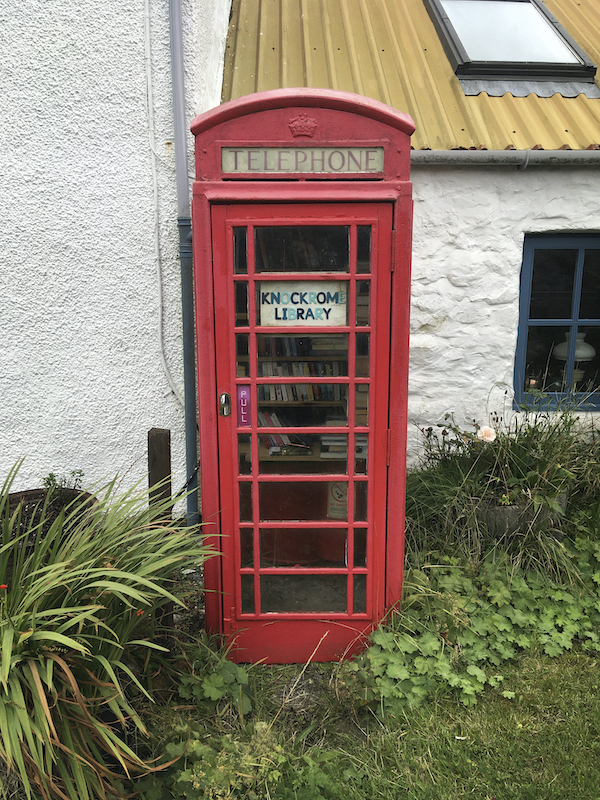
(558, 354)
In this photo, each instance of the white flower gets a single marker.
(486, 434)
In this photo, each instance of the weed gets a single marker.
(212, 681)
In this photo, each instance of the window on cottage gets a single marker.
(512, 39)
(558, 347)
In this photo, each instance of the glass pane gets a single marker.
(240, 257)
(283, 547)
(242, 367)
(303, 500)
(360, 547)
(586, 373)
(241, 304)
(245, 502)
(286, 453)
(247, 594)
(302, 249)
(360, 501)
(590, 288)
(363, 301)
(301, 404)
(363, 253)
(246, 547)
(361, 453)
(244, 454)
(362, 355)
(507, 30)
(360, 594)
(332, 547)
(361, 413)
(303, 593)
(325, 355)
(283, 304)
(544, 368)
(552, 284)
(317, 547)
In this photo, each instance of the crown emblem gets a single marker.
(302, 125)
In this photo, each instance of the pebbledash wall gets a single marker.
(469, 226)
(83, 191)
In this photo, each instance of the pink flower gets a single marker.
(3, 586)
(486, 434)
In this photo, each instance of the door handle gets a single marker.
(224, 404)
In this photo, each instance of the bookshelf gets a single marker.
(305, 398)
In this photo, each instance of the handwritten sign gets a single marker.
(308, 303)
(329, 160)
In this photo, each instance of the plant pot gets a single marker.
(507, 521)
(32, 502)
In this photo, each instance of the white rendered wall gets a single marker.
(469, 226)
(81, 380)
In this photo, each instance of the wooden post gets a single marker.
(159, 483)
(159, 464)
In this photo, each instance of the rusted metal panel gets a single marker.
(390, 51)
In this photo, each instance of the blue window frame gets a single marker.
(558, 343)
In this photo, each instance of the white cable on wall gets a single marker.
(153, 160)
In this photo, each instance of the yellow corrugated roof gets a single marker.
(390, 51)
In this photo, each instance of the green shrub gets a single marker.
(530, 461)
(79, 594)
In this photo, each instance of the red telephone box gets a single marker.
(302, 218)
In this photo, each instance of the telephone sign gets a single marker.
(264, 160)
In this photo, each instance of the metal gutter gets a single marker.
(521, 159)
(184, 223)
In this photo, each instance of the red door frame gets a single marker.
(296, 634)
(365, 120)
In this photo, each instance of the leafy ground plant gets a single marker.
(459, 628)
(78, 603)
(209, 679)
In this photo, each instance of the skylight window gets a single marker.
(515, 39)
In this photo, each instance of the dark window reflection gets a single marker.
(590, 289)
(302, 249)
(552, 284)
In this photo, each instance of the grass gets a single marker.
(542, 743)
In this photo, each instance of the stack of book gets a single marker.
(281, 443)
(335, 445)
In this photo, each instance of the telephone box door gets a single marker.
(302, 327)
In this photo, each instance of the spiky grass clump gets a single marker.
(79, 592)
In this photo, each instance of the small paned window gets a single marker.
(558, 346)
(511, 39)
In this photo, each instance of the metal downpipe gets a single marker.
(184, 223)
